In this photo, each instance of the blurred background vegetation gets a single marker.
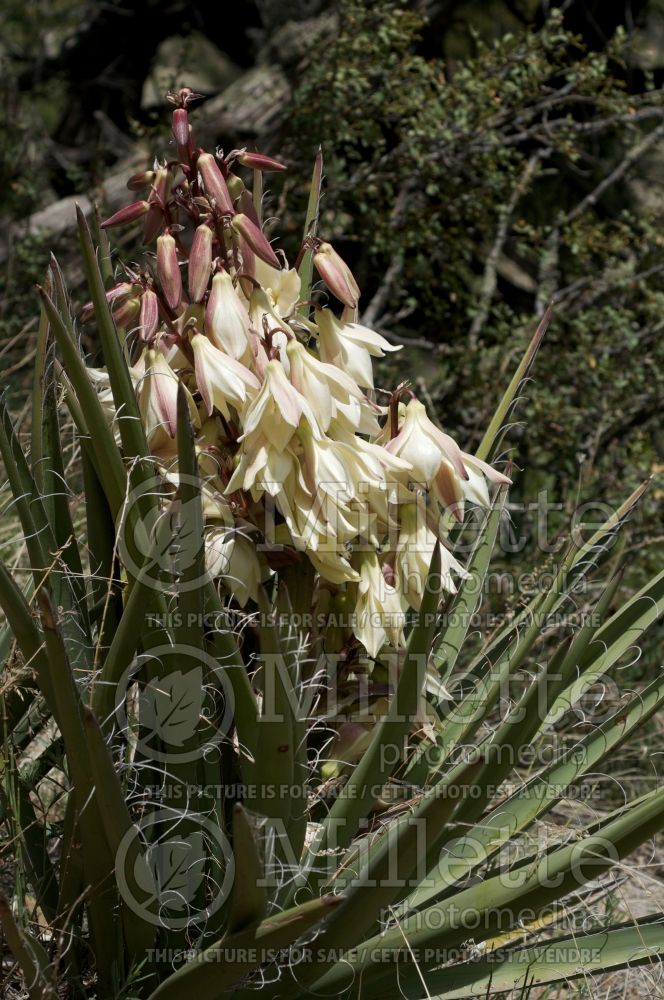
(482, 158)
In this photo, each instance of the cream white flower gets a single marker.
(317, 521)
(227, 321)
(424, 446)
(478, 473)
(350, 346)
(333, 566)
(378, 613)
(282, 286)
(232, 557)
(102, 383)
(263, 470)
(438, 463)
(329, 389)
(221, 380)
(276, 411)
(158, 396)
(415, 545)
(266, 319)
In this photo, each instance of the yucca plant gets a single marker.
(239, 645)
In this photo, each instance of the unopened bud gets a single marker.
(149, 315)
(114, 296)
(125, 288)
(248, 263)
(140, 180)
(127, 313)
(214, 183)
(168, 270)
(130, 213)
(161, 187)
(235, 186)
(246, 205)
(200, 263)
(180, 124)
(255, 238)
(154, 223)
(257, 161)
(337, 275)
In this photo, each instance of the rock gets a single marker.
(191, 61)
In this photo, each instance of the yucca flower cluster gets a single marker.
(300, 451)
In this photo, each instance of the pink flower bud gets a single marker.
(214, 183)
(260, 162)
(127, 313)
(154, 223)
(256, 239)
(140, 180)
(161, 187)
(130, 213)
(246, 205)
(235, 186)
(248, 263)
(168, 270)
(200, 263)
(337, 275)
(180, 123)
(114, 296)
(124, 289)
(149, 315)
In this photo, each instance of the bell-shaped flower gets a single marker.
(264, 469)
(326, 465)
(384, 475)
(349, 482)
(438, 463)
(101, 382)
(221, 380)
(266, 320)
(226, 318)
(275, 413)
(350, 346)
(478, 471)
(232, 558)
(330, 390)
(282, 286)
(425, 446)
(414, 550)
(333, 565)
(378, 614)
(318, 521)
(157, 395)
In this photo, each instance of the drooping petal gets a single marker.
(220, 379)
(226, 319)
